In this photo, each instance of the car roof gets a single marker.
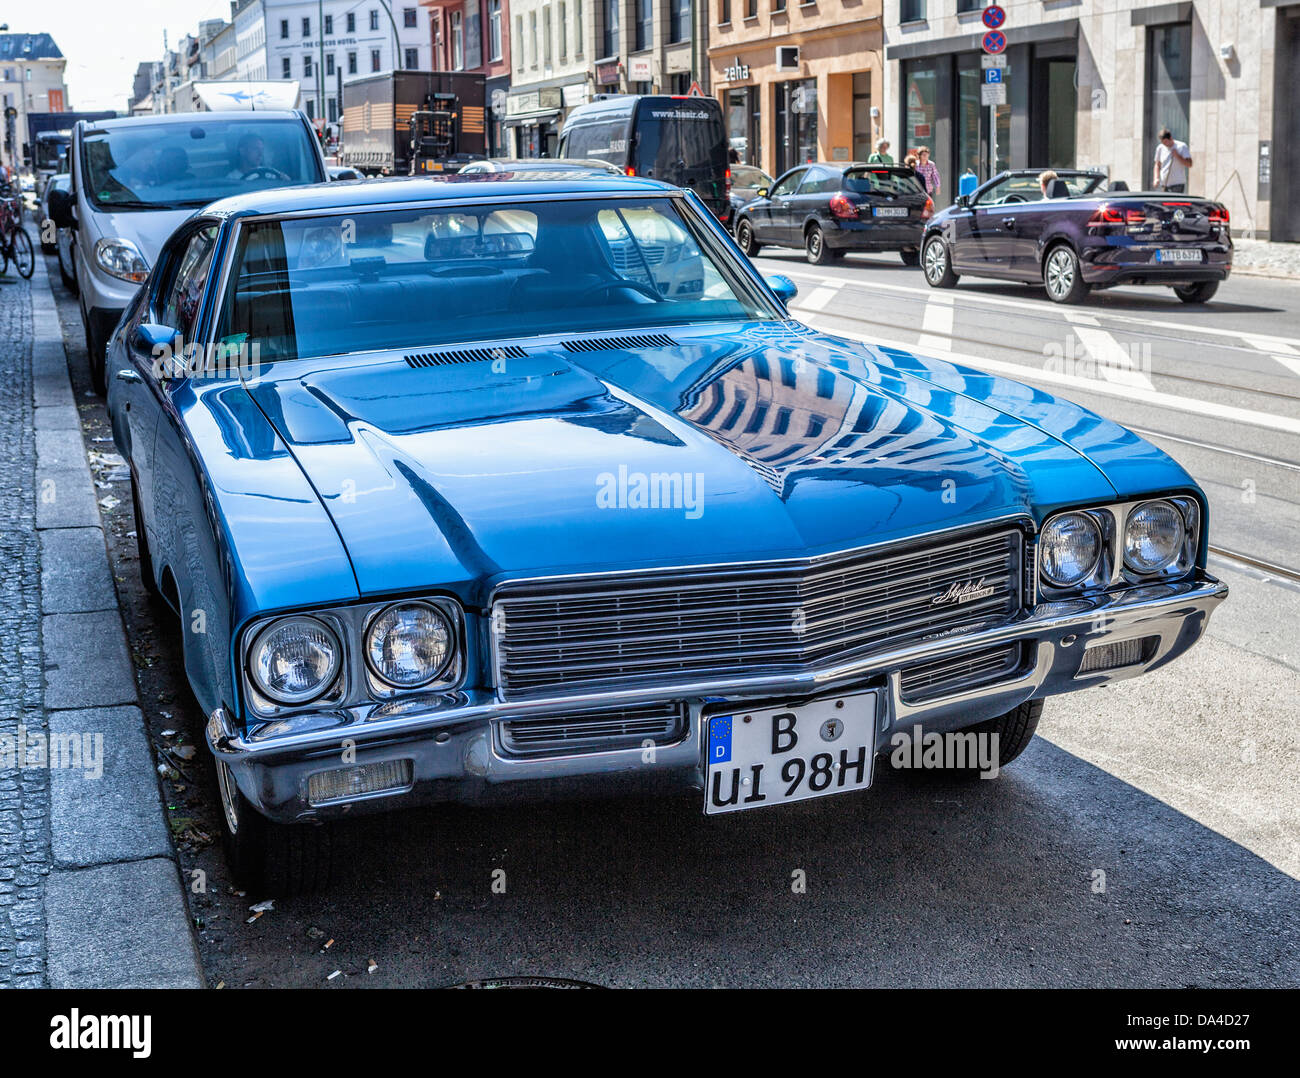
(402, 190)
(178, 118)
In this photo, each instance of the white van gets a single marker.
(135, 179)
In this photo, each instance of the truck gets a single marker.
(409, 123)
(49, 134)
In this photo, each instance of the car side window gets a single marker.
(183, 296)
(820, 181)
(787, 183)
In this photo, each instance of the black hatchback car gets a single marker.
(828, 209)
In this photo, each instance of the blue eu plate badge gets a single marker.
(720, 739)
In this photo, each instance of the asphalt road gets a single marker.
(1149, 836)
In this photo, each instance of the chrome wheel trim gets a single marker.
(229, 793)
(1060, 272)
(936, 258)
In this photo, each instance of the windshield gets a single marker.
(416, 278)
(1025, 188)
(173, 166)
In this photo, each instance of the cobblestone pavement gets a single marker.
(24, 792)
(1267, 259)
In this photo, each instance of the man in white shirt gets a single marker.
(1173, 159)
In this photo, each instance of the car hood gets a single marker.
(759, 442)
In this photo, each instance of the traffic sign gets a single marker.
(987, 61)
(994, 16)
(993, 93)
(992, 74)
(995, 41)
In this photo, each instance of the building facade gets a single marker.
(798, 82)
(31, 80)
(1091, 84)
(474, 36)
(550, 72)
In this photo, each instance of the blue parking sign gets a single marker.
(720, 739)
(993, 74)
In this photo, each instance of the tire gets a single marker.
(69, 279)
(911, 257)
(1014, 731)
(24, 255)
(1062, 276)
(745, 239)
(278, 860)
(937, 265)
(142, 549)
(1201, 292)
(814, 247)
(94, 356)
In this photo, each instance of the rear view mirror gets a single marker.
(963, 201)
(784, 288)
(762, 192)
(150, 335)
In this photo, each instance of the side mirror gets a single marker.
(761, 193)
(963, 202)
(784, 288)
(60, 204)
(150, 335)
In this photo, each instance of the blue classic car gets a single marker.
(493, 488)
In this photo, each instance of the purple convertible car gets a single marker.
(1085, 234)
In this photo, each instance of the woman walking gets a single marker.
(928, 171)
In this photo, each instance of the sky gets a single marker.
(105, 40)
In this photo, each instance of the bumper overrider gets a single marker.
(453, 746)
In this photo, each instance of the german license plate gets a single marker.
(1178, 254)
(889, 211)
(772, 756)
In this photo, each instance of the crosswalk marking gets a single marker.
(1284, 352)
(936, 322)
(819, 297)
(1114, 362)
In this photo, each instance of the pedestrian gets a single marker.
(910, 161)
(733, 156)
(928, 171)
(1173, 159)
(881, 156)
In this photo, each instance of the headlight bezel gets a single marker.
(356, 685)
(1111, 570)
(102, 246)
(1092, 570)
(1175, 549)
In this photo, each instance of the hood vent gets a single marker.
(608, 344)
(466, 355)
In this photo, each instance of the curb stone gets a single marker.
(115, 911)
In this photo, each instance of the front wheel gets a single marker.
(1062, 276)
(1201, 292)
(23, 254)
(745, 239)
(281, 860)
(937, 265)
(814, 246)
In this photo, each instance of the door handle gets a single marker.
(1008, 222)
(128, 376)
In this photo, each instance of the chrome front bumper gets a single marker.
(452, 738)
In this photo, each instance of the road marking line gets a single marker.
(819, 297)
(936, 322)
(1042, 307)
(1283, 352)
(1158, 399)
(1114, 362)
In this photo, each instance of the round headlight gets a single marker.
(409, 644)
(1153, 537)
(294, 660)
(1069, 549)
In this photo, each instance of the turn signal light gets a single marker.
(929, 208)
(842, 207)
(1219, 215)
(631, 171)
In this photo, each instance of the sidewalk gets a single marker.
(1256, 258)
(96, 899)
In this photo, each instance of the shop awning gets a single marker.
(532, 118)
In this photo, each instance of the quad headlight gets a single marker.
(1154, 537)
(409, 644)
(1069, 549)
(294, 660)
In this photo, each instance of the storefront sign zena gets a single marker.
(737, 72)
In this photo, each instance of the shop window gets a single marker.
(911, 10)
(1169, 84)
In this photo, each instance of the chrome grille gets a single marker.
(776, 617)
(952, 674)
(594, 731)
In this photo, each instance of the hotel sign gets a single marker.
(737, 72)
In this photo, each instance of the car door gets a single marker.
(140, 386)
(779, 200)
(994, 220)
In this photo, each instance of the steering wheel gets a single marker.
(636, 286)
(262, 172)
(1014, 198)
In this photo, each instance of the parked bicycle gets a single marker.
(15, 244)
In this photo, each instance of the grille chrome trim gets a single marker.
(952, 674)
(589, 731)
(569, 634)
